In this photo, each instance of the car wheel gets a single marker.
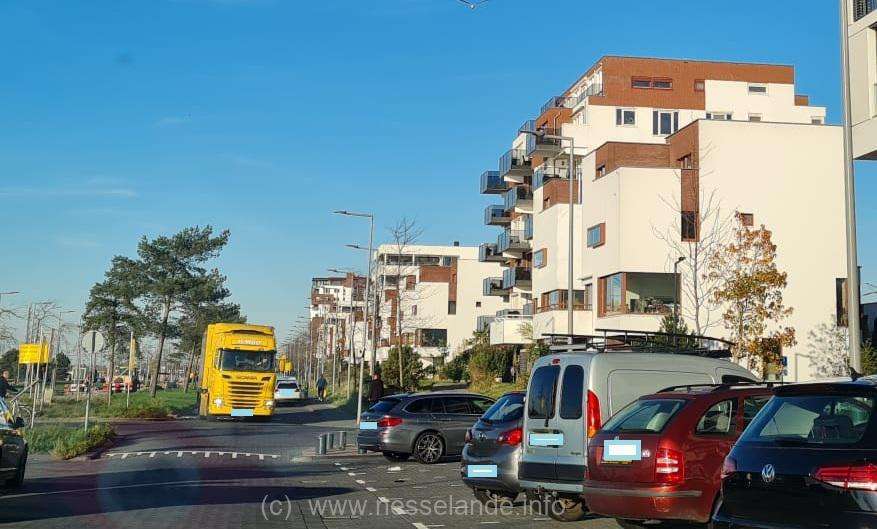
(18, 479)
(494, 498)
(566, 509)
(428, 448)
(396, 456)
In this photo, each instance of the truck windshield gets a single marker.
(237, 360)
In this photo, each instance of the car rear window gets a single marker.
(507, 408)
(812, 420)
(384, 405)
(428, 405)
(287, 385)
(644, 416)
(540, 401)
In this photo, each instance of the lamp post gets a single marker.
(853, 322)
(676, 291)
(570, 177)
(368, 277)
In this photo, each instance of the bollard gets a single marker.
(321, 445)
(330, 443)
(342, 442)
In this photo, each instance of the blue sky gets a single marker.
(124, 118)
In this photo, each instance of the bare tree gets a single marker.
(404, 234)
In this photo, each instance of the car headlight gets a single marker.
(217, 401)
(269, 403)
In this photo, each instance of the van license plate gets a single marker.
(241, 412)
(546, 439)
(481, 471)
(368, 425)
(616, 451)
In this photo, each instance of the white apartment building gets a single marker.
(433, 297)
(336, 316)
(665, 151)
(862, 32)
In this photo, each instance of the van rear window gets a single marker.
(543, 386)
(644, 416)
(812, 420)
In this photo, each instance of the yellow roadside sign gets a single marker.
(33, 353)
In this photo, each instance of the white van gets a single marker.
(574, 390)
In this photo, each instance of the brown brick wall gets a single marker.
(613, 155)
(687, 142)
(802, 100)
(556, 191)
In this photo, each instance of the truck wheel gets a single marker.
(566, 509)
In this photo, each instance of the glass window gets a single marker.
(664, 122)
(425, 406)
(384, 405)
(434, 337)
(452, 307)
(507, 408)
(688, 222)
(540, 399)
(816, 120)
(613, 294)
(754, 117)
(644, 416)
(664, 84)
(641, 83)
(571, 392)
(758, 89)
(812, 420)
(595, 236)
(480, 405)
(457, 406)
(238, 360)
(699, 85)
(719, 419)
(625, 116)
(751, 406)
(647, 293)
(539, 258)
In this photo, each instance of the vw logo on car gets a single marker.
(768, 473)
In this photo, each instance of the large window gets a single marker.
(625, 116)
(612, 294)
(433, 337)
(556, 300)
(540, 258)
(665, 122)
(689, 225)
(597, 235)
(637, 293)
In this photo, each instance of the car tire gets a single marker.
(566, 509)
(396, 457)
(494, 498)
(17, 480)
(429, 447)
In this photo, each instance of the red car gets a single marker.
(660, 458)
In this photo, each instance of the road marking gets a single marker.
(234, 455)
(125, 455)
(383, 499)
(360, 481)
(344, 468)
(419, 525)
(399, 511)
(371, 489)
(152, 455)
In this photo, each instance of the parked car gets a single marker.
(13, 448)
(576, 388)
(427, 426)
(660, 458)
(493, 448)
(809, 459)
(287, 392)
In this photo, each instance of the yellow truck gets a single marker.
(237, 371)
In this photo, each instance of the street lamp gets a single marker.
(572, 171)
(676, 291)
(853, 322)
(368, 277)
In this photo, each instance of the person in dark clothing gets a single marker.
(321, 388)
(5, 386)
(376, 389)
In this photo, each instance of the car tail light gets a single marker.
(593, 416)
(512, 437)
(669, 466)
(728, 467)
(858, 477)
(468, 438)
(389, 422)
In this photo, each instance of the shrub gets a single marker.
(67, 442)
(412, 369)
(457, 369)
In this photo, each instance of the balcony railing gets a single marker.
(595, 89)
(492, 183)
(483, 323)
(515, 163)
(487, 253)
(544, 173)
(528, 227)
(861, 8)
(516, 277)
(556, 102)
(495, 215)
(543, 146)
(519, 196)
(492, 286)
(511, 240)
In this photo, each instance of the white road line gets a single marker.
(360, 481)
(234, 455)
(398, 511)
(206, 454)
(383, 499)
(371, 489)
(337, 464)
(125, 455)
(344, 468)
(180, 454)
(261, 457)
(152, 454)
(419, 525)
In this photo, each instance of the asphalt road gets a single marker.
(191, 473)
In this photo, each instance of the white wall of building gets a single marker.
(863, 84)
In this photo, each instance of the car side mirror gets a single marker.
(18, 423)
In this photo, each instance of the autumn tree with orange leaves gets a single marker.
(750, 288)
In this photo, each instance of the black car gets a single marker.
(808, 459)
(13, 448)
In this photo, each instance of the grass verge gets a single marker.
(497, 389)
(65, 442)
(142, 406)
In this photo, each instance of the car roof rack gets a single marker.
(721, 386)
(628, 341)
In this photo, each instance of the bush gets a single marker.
(412, 370)
(487, 362)
(65, 442)
(458, 368)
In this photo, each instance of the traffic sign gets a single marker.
(33, 353)
(93, 341)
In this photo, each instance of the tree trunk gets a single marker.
(165, 314)
(111, 366)
(189, 369)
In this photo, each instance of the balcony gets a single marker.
(543, 146)
(545, 173)
(492, 183)
(515, 166)
(517, 277)
(556, 102)
(495, 215)
(512, 241)
(528, 227)
(483, 323)
(492, 286)
(487, 253)
(518, 198)
(861, 8)
(510, 330)
(595, 89)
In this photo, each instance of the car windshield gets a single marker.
(507, 408)
(812, 420)
(644, 416)
(287, 385)
(237, 360)
(384, 405)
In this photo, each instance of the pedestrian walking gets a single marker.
(321, 388)
(376, 390)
